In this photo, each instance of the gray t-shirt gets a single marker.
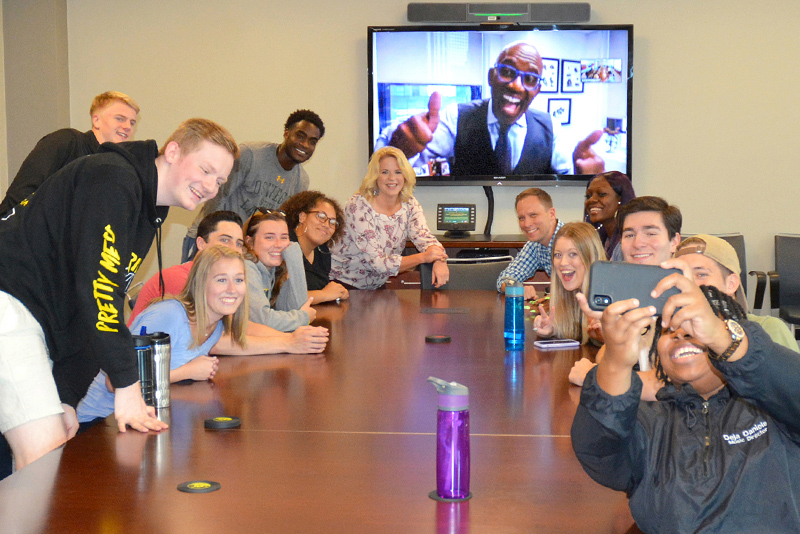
(287, 315)
(257, 181)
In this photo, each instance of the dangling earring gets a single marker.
(375, 192)
(305, 228)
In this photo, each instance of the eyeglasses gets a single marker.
(323, 218)
(507, 74)
(265, 211)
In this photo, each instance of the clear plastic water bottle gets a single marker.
(514, 330)
(452, 441)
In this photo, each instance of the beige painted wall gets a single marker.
(715, 112)
(4, 181)
(36, 80)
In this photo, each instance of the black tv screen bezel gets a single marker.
(518, 180)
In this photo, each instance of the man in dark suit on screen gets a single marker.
(498, 136)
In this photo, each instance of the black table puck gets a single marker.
(223, 422)
(199, 486)
(437, 339)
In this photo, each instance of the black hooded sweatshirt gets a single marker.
(69, 253)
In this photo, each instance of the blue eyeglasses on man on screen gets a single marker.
(507, 74)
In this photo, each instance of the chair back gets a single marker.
(468, 273)
(737, 242)
(787, 264)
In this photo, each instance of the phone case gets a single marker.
(615, 281)
(552, 344)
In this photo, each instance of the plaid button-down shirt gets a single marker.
(531, 258)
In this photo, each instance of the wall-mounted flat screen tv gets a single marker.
(503, 105)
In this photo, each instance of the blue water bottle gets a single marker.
(514, 330)
(452, 441)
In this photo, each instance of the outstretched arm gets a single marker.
(264, 340)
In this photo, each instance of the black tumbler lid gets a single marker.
(141, 341)
(160, 338)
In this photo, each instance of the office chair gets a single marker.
(785, 280)
(468, 273)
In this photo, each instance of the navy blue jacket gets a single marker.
(729, 464)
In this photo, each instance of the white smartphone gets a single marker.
(553, 344)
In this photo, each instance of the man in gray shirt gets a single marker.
(266, 174)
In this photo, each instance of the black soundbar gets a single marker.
(499, 12)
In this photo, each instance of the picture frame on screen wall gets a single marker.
(560, 110)
(571, 76)
(549, 83)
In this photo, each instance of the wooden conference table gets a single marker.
(343, 444)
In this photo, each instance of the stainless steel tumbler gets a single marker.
(144, 353)
(161, 357)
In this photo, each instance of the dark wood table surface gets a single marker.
(344, 444)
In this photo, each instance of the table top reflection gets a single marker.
(340, 444)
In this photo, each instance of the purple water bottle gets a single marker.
(452, 441)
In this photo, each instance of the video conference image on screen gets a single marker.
(477, 103)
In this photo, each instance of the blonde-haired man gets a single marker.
(113, 115)
(69, 254)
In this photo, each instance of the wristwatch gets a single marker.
(737, 335)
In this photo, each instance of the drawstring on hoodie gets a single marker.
(161, 287)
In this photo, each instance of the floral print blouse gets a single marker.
(369, 252)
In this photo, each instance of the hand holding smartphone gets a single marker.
(611, 282)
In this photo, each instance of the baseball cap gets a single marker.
(712, 247)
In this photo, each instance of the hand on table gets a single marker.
(530, 294)
(335, 290)
(579, 371)
(202, 368)
(130, 410)
(309, 340)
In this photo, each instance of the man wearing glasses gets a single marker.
(506, 137)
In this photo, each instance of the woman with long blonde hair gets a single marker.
(212, 304)
(379, 219)
(576, 247)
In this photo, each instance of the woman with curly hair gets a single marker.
(315, 222)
